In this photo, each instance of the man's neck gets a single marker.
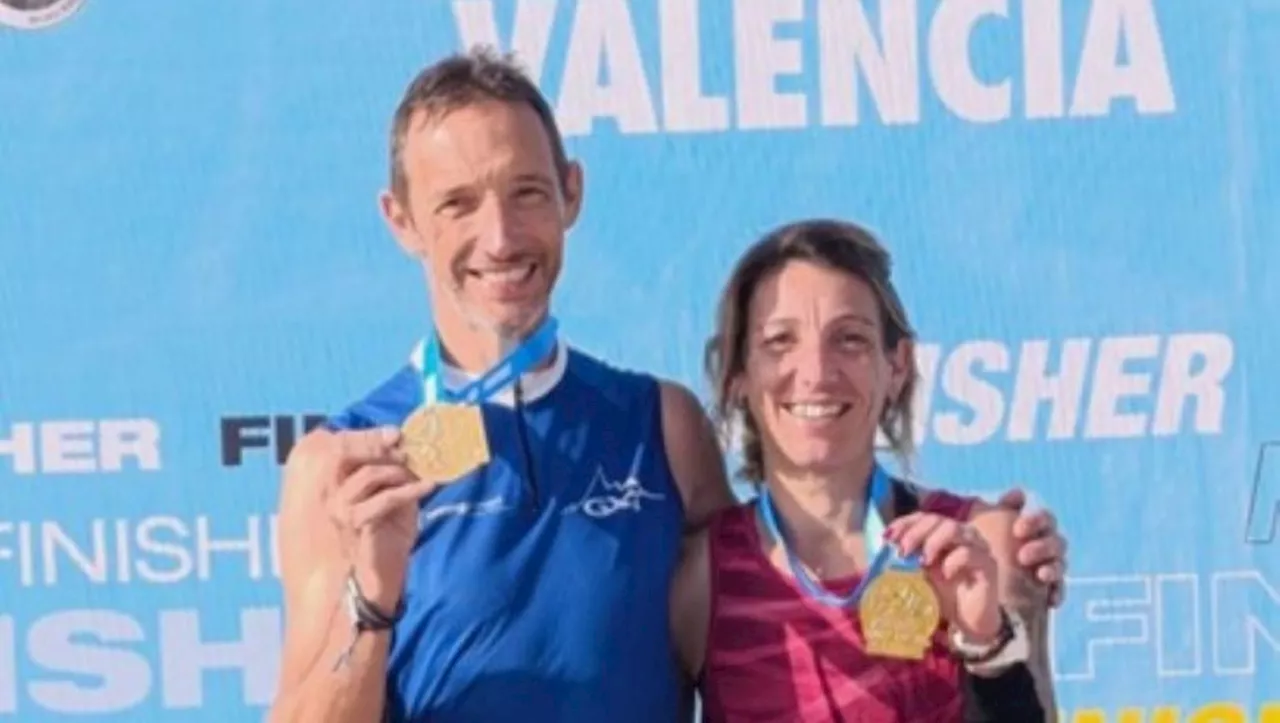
(475, 350)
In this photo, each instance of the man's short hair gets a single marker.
(461, 80)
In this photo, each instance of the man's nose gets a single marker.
(495, 232)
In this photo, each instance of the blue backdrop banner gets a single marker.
(1082, 196)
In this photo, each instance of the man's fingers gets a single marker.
(1015, 499)
(1051, 574)
(369, 446)
(1041, 551)
(366, 482)
(1039, 524)
(1057, 593)
(389, 500)
(371, 478)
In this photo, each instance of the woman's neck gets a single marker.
(823, 516)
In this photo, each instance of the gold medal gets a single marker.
(445, 441)
(899, 612)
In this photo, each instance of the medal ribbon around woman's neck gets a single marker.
(881, 555)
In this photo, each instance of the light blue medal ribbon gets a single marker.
(518, 362)
(882, 555)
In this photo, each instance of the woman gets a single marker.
(775, 613)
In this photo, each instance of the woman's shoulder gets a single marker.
(913, 495)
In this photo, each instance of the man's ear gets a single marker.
(395, 213)
(573, 188)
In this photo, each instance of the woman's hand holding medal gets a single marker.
(960, 567)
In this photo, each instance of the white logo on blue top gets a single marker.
(492, 506)
(605, 498)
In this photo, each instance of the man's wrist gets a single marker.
(383, 599)
(365, 616)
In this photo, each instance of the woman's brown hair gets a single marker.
(834, 244)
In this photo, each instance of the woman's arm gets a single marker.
(1021, 595)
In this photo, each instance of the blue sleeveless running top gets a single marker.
(537, 590)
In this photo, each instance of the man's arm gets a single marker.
(318, 631)
(1030, 600)
(693, 452)
(1042, 547)
(1008, 697)
(1020, 593)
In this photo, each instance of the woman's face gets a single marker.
(817, 374)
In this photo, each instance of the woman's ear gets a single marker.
(737, 394)
(902, 362)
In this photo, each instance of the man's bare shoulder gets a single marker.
(694, 454)
(681, 407)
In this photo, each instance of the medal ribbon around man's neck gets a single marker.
(882, 555)
(518, 362)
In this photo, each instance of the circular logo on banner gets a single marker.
(36, 14)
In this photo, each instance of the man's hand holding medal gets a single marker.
(383, 474)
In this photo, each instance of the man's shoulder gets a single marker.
(617, 383)
(591, 366)
(389, 402)
(600, 373)
(689, 439)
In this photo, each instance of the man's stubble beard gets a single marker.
(509, 336)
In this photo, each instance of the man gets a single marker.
(524, 568)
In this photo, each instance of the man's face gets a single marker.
(486, 212)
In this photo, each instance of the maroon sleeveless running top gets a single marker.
(774, 654)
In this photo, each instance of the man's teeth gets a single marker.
(815, 411)
(510, 275)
